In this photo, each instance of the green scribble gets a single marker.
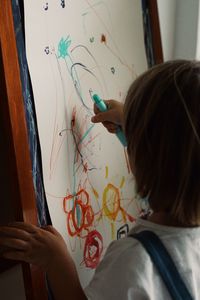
(92, 40)
(63, 47)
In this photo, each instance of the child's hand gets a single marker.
(46, 248)
(112, 118)
(29, 243)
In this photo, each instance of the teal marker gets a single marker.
(103, 107)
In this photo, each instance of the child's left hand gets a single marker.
(29, 243)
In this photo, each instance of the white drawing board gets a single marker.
(74, 46)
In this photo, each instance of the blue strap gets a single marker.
(164, 263)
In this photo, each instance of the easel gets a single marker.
(16, 183)
(17, 197)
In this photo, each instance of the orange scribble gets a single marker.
(81, 207)
(103, 39)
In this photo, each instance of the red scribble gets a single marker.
(73, 120)
(103, 38)
(82, 208)
(93, 249)
(85, 167)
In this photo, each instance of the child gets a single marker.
(161, 120)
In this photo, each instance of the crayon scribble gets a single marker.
(62, 3)
(113, 70)
(46, 6)
(93, 215)
(103, 39)
(63, 47)
(93, 249)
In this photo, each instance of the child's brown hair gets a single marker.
(162, 126)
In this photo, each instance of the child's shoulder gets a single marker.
(127, 267)
(176, 240)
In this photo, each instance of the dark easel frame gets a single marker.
(155, 29)
(16, 182)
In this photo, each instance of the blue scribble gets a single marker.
(63, 47)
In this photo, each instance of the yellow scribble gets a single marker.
(106, 172)
(122, 182)
(95, 193)
(111, 201)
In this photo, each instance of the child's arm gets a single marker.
(47, 249)
(112, 118)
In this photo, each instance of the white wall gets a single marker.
(186, 31)
(167, 17)
(198, 38)
(180, 28)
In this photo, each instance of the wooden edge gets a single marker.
(34, 280)
(156, 35)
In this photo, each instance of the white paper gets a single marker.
(72, 47)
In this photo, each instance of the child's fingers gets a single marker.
(14, 232)
(50, 229)
(13, 243)
(95, 108)
(112, 130)
(102, 117)
(25, 226)
(14, 255)
(111, 127)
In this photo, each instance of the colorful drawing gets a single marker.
(76, 46)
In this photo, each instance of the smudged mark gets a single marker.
(46, 50)
(122, 231)
(78, 152)
(122, 182)
(106, 172)
(62, 3)
(103, 39)
(113, 70)
(46, 6)
(63, 47)
(92, 40)
(77, 222)
(93, 249)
